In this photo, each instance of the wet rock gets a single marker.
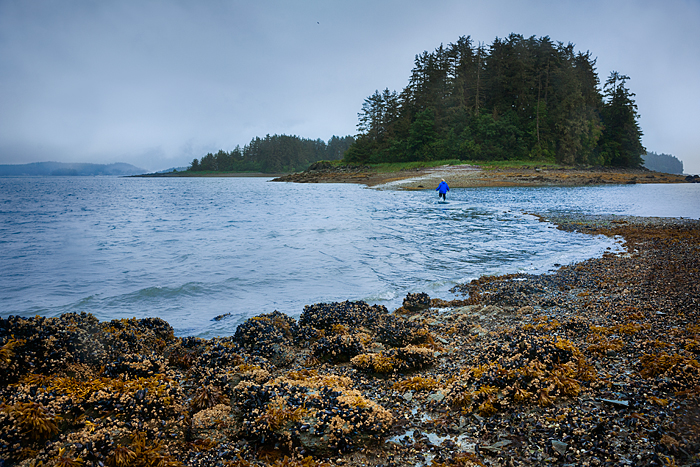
(215, 424)
(355, 314)
(338, 348)
(399, 332)
(416, 302)
(269, 335)
(559, 446)
(616, 403)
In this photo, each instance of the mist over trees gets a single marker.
(69, 169)
(519, 98)
(662, 163)
(274, 154)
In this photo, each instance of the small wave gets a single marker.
(190, 289)
(386, 295)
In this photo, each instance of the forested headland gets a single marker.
(517, 99)
(662, 163)
(273, 154)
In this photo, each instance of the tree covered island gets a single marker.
(517, 99)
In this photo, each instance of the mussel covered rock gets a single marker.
(355, 314)
(268, 335)
(416, 302)
(338, 348)
(398, 332)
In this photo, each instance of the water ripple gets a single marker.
(191, 249)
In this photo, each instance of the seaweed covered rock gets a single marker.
(268, 335)
(397, 360)
(530, 369)
(355, 314)
(321, 414)
(72, 385)
(415, 302)
(97, 414)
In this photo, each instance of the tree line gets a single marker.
(519, 98)
(273, 154)
(663, 163)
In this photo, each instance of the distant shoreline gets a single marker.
(187, 174)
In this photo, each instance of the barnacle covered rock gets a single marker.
(322, 414)
(136, 366)
(215, 424)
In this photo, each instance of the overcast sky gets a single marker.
(158, 83)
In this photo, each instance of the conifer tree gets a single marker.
(519, 98)
(621, 143)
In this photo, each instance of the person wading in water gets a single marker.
(442, 190)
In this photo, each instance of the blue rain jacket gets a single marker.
(442, 187)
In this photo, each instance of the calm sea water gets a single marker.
(187, 250)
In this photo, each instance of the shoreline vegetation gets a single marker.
(459, 175)
(595, 364)
(420, 175)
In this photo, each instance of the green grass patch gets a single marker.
(514, 164)
(389, 167)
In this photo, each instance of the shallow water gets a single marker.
(190, 249)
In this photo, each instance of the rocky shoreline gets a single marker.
(595, 364)
(469, 176)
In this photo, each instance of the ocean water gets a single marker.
(190, 249)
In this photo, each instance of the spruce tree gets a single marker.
(621, 144)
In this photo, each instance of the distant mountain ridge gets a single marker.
(69, 169)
